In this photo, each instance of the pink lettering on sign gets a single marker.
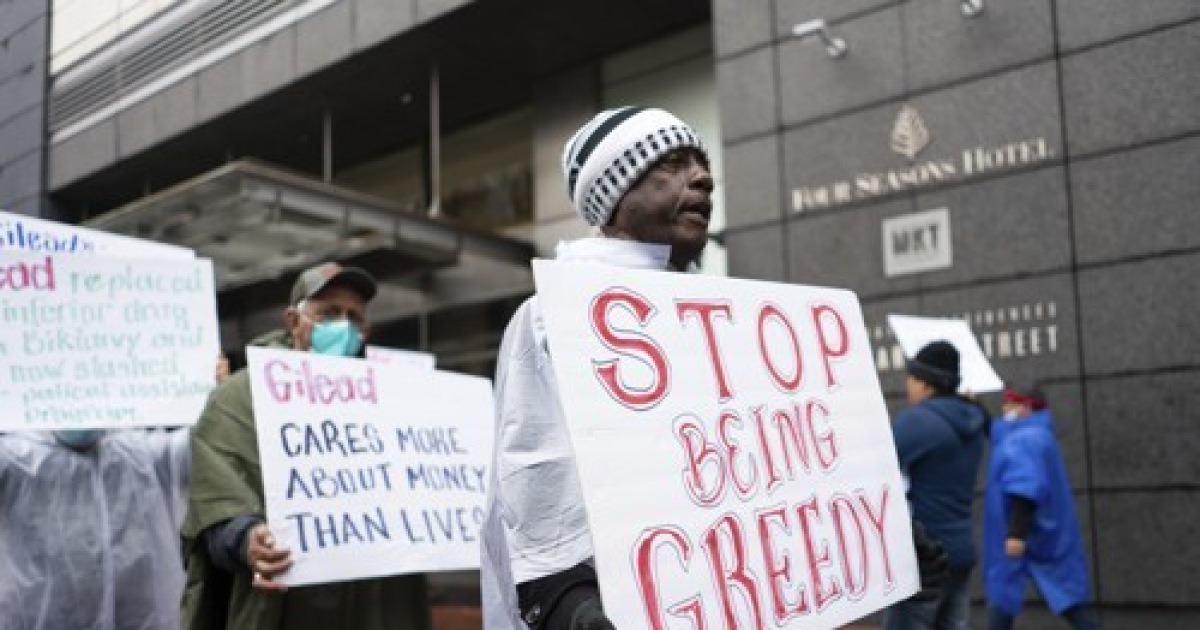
(785, 381)
(21, 276)
(833, 337)
(783, 363)
(705, 311)
(635, 345)
(815, 552)
(300, 382)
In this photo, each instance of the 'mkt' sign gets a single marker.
(917, 242)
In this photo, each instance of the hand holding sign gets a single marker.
(266, 560)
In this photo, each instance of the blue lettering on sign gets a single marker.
(429, 440)
(454, 477)
(322, 531)
(442, 525)
(319, 483)
(16, 235)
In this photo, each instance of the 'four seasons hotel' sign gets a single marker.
(910, 136)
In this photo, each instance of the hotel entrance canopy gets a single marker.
(261, 226)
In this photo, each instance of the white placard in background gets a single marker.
(103, 342)
(913, 333)
(370, 469)
(396, 356)
(24, 233)
(733, 446)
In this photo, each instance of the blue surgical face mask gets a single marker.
(338, 338)
(79, 439)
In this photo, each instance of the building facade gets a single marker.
(1028, 168)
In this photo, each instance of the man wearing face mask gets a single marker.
(231, 557)
(1030, 529)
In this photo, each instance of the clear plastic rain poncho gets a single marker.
(90, 540)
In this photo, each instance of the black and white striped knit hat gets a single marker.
(608, 155)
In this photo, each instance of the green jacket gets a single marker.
(227, 482)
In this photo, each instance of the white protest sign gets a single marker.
(733, 447)
(23, 233)
(370, 469)
(104, 342)
(397, 356)
(913, 333)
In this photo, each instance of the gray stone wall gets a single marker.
(24, 41)
(1074, 261)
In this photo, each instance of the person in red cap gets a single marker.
(1031, 531)
(232, 560)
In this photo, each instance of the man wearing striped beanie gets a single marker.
(640, 177)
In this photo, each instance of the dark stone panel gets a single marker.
(1004, 227)
(15, 14)
(20, 177)
(21, 134)
(999, 228)
(1084, 22)
(1159, 619)
(1144, 430)
(1066, 403)
(738, 25)
(1141, 315)
(746, 86)
(756, 253)
(752, 188)
(843, 249)
(27, 206)
(22, 91)
(812, 84)
(1146, 551)
(23, 47)
(944, 46)
(1026, 327)
(788, 13)
(1013, 107)
(1133, 91)
(888, 360)
(1137, 202)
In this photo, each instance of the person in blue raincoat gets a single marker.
(1031, 531)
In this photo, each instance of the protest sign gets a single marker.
(370, 469)
(102, 342)
(401, 357)
(733, 448)
(913, 333)
(23, 233)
